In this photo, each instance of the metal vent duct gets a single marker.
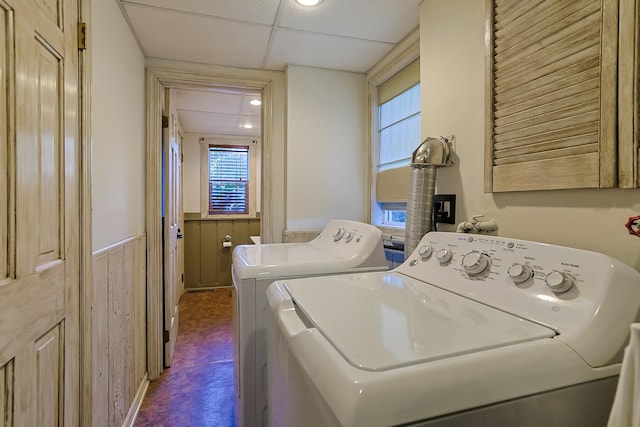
(430, 155)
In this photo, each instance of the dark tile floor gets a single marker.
(198, 389)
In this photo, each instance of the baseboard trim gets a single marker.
(207, 288)
(134, 410)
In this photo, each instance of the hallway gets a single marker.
(198, 388)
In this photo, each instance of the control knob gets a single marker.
(425, 252)
(350, 236)
(338, 234)
(519, 273)
(558, 282)
(444, 256)
(475, 263)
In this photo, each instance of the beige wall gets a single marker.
(191, 173)
(452, 81)
(326, 146)
(118, 123)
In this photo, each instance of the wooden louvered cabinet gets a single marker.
(552, 117)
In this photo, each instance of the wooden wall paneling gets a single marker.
(191, 254)
(240, 233)
(224, 254)
(207, 263)
(254, 227)
(209, 246)
(100, 340)
(119, 338)
(128, 314)
(140, 318)
(117, 333)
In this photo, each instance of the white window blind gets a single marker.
(228, 179)
(399, 136)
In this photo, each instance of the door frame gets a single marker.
(156, 80)
(85, 238)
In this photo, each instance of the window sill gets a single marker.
(228, 217)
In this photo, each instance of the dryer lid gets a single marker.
(381, 321)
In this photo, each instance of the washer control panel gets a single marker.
(557, 286)
(355, 243)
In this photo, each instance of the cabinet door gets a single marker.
(629, 95)
(551, 95)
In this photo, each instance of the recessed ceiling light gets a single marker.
(308, 2)
(255, 102)
(247, 125)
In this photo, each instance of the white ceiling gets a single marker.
(347, 35)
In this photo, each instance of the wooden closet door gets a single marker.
(551, 94)
(39, 213)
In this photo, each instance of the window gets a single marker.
(394, 106)
(399, 136)
(228, 179)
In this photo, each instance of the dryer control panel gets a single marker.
(583, 295)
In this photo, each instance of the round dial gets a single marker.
(520, 273)
(350, 236)
(425, 251)
(338, 234)
(475, 262)
(558, 282)
(444, 256)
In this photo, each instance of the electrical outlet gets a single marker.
(444, 206)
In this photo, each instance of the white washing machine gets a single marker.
(469, 331)
(343, 246)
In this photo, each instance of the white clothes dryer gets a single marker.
(469, 331)
(343, 246)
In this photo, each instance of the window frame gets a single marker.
(243, 180)
(400, 57)
(254, 175)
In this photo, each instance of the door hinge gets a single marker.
(165, 122)
(166, 336)
(82, 35)
(182, 278)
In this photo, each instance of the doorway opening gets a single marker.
(160, 83)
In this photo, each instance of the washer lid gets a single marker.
(284, 259)
(380, 321)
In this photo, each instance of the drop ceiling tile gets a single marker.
(254, 11)
(253, 120)
(324, 51)
(380, 20)
(205, 101)
(247, 109)
(189, 118)
(188, 37)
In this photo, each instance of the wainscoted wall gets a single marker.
(207, 264)
(119, 331)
